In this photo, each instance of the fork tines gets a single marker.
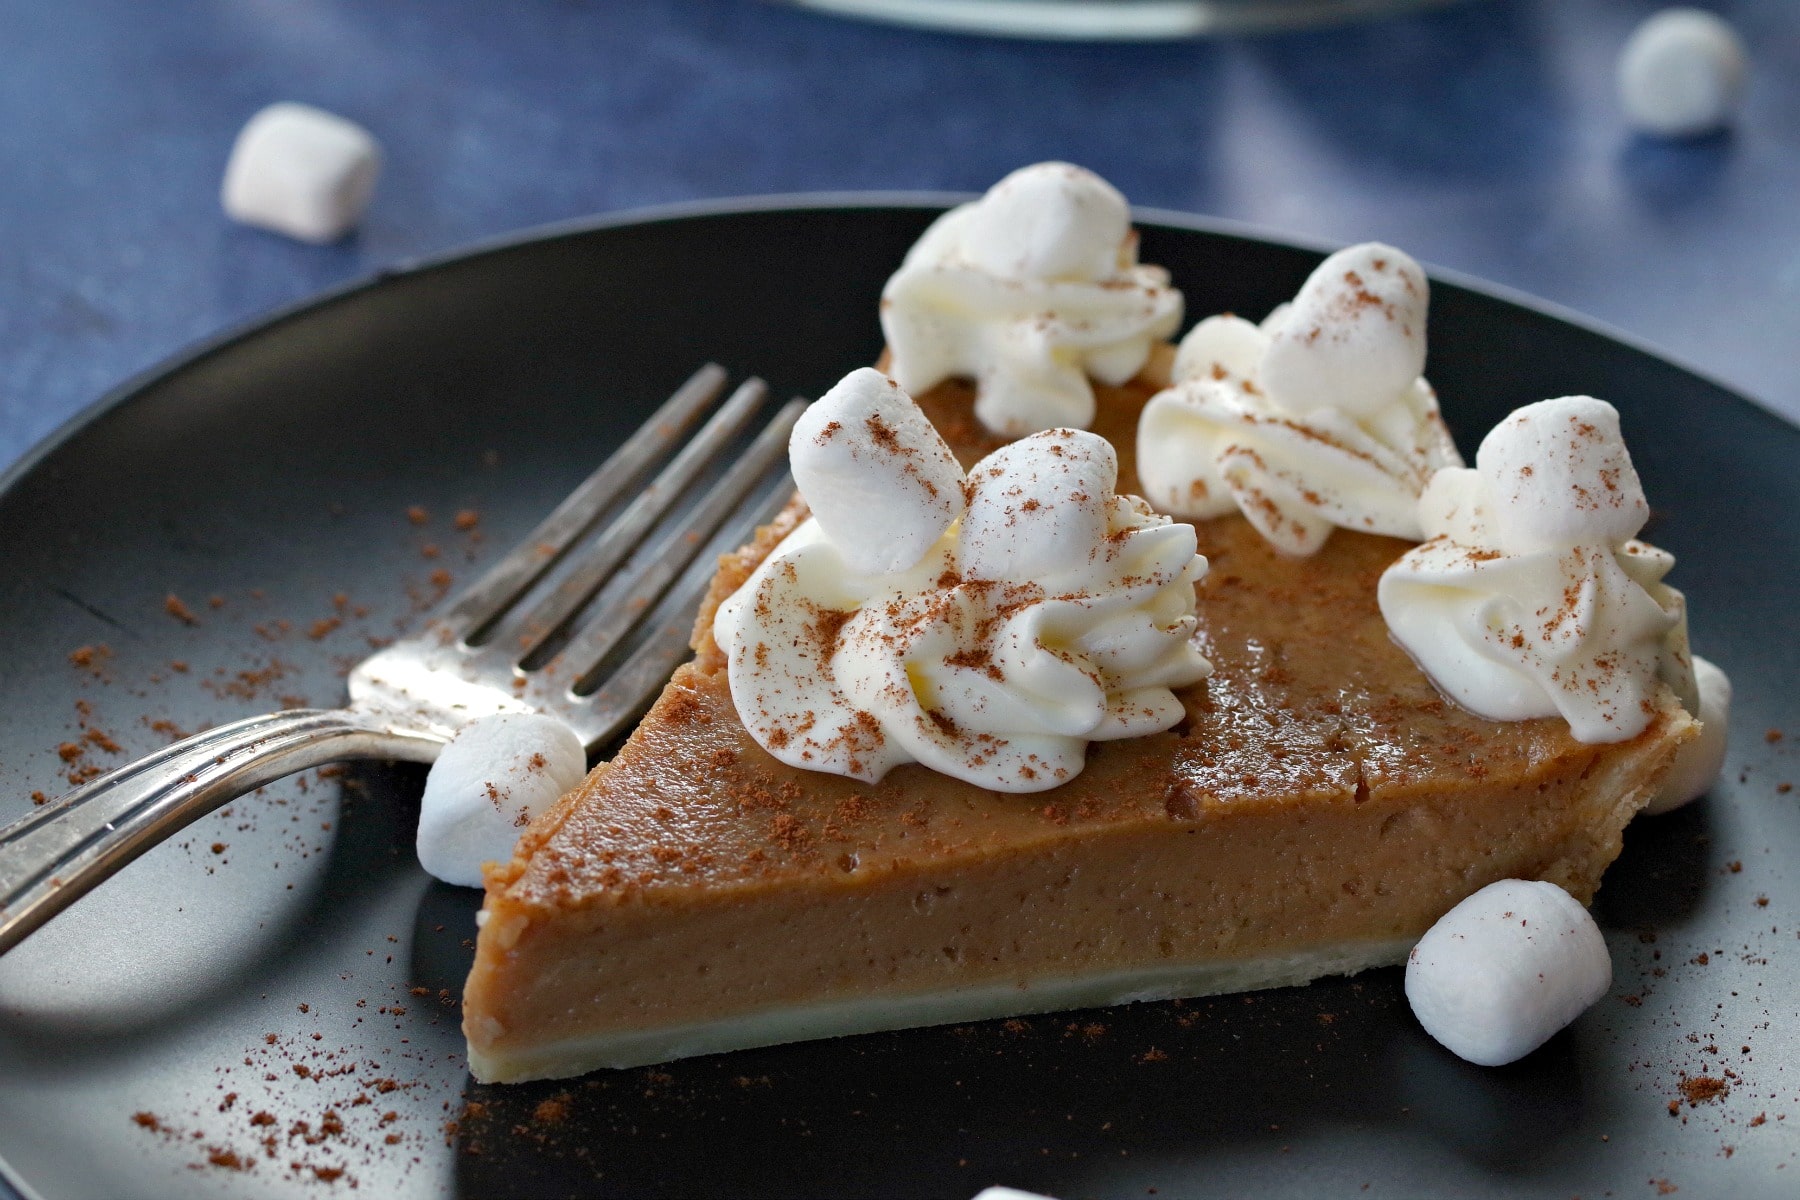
(643, 572)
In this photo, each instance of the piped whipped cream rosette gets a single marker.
(1533, 597)
(1029, 291)
(987, 627)
(1317, 418)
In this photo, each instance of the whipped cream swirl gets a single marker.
(1029, 291)
(1534, 598)
(1047, 613)
(1316, 418)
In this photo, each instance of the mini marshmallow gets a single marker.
(876, 474)
(1559, 475)
(1682, 73)
(495, 776)
(1355, 335)
(301, 171)
(1049, 221)
(1507, 968)
(1224, 343)
(1697, 764)
(1037, 503)
(1006, 1193)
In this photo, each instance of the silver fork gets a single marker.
(566, 650)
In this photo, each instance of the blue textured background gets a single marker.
(1482, 137)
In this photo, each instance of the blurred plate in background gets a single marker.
(1113, 20)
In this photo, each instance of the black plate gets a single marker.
(274, 470)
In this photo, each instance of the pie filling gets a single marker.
(1319, 807)
(502, 1063)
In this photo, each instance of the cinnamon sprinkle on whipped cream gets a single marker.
(1317, 418)
(1045, 612)
(1029, 291)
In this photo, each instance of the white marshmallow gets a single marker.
(876, 474)
(1049, 221)
(1697, 764)
(1682, 73)
(1505, 969)
(1355, 336)
(1224, 344)
(1559, 475)
(301, 171)
(495, 776)
(1006, 1193)
(1038, 506)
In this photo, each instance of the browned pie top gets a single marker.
(1310, 703)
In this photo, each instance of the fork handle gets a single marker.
(57, 853)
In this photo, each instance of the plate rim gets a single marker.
(13, 1186)
(372, 280)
